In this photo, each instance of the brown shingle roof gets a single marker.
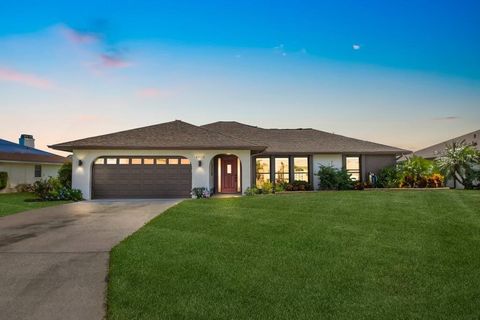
(438, 149)
(170, 135)
(296, 141)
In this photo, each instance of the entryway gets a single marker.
(227, 168)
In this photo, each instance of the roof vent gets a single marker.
(27, 140)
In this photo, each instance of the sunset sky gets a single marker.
(403, 73)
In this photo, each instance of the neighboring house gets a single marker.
(168, 159)
(24, 164)
(438, 150)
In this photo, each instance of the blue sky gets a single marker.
(405, 73)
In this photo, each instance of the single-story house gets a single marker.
(24, 164)
(438, 150)
(169, 159)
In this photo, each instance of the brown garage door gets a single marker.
(141, 177)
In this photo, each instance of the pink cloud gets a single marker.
(111, 61)
(151, 92)
(27, 79)
(79, 37)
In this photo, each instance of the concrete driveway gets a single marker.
(54, 261)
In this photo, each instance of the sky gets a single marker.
(403, 73)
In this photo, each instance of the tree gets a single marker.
(65, 175)
(459, 163)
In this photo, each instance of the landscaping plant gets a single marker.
(461, 163)
(334, 179)
(51, 189)
(200, 193)
(3, 179)
(65, 174)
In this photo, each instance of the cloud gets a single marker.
(356, 46)
(80, 37)
(27, 79)
(447, 118)
(152, 92)
(113, 61)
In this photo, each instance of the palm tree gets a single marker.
(458, 162)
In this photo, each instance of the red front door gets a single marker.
(229, 174)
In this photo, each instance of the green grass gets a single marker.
(328, 255)
(11, 203)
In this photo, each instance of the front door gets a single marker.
(229, 174)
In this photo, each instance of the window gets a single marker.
(123, 161)
(162, 161)
(281, 170)
(300, 169)
(229, 169)
(136, 161)
(262, 171)
(111, 160)
(184, 161)
(38, 171)
(172, 161)
(100, 161)
(353, 167)
(147, 161)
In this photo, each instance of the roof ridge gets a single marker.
(231, 137)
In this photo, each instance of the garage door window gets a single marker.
(147, 161)
(173, 161)
(123, 161)
(111, 160)
(162, 161)
(136, 161)
(184, 161)
(100, 161)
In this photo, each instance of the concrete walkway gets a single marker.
(54, 261)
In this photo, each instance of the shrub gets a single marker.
(3, 180)
(200, 192)
(414, 171)
(267, 187)
(24, 187)
(65, 174)
(252, 191)
(388, 178)
(334, 179)
(51, 189)
(298, 185)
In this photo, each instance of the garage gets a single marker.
(141, 177)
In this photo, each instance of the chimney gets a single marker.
(27, 140)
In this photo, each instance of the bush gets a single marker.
(51, 189)
(252, 191)
(388, 178)
(334, 179)
(65, 174)
(24, 187)
(3, 180)
(414, 172)
(298, 185)
(267, 187)
(200, 192)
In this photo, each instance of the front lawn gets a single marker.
(327, 255)
(11, 203)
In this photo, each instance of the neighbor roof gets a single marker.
(10, 151)
(297, 141)
(438, 149)
(170, 135)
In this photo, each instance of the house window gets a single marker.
(38, 171)
(281, 170)
(300, 169)
(262, 171)
(352, 165)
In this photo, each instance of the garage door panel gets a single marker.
(141, 181)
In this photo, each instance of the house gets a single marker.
(168, 159)
(24, 164)
(438, 150)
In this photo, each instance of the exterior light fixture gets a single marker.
(80, 163)
(199, 157)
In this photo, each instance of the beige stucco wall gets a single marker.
(334, 160)
(201, 176)
(20, 173)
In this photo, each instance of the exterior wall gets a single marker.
(335, 160)
(24, 173)
(201, 176)
(374, 163)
